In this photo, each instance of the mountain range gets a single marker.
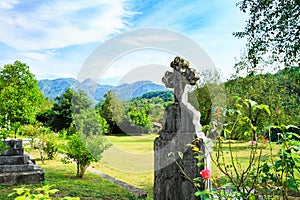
(95, 91)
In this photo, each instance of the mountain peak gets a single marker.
(126, 91)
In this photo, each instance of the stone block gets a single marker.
(15, 148)
(15, 178)
(14, 160)
(16, 168)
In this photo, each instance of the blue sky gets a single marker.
(55, 37)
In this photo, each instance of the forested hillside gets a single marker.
(280, 91)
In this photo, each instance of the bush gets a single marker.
(84, 150)
(51, 145)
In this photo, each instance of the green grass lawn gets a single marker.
(130, 159)
(63, 178)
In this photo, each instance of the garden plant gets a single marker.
(262, 172)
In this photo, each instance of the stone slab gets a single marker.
(14, 160)
(15, 178)
(16, 168)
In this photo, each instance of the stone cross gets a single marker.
(181, 127)
(182, 74)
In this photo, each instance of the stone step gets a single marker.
(14, 160)
(16, 168)
(14, 178)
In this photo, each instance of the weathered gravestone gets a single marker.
(16, 167)
(181, 127)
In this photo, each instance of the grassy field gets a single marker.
(63, 178)
(131, 160)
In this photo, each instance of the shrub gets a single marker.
(50, 145)
(84, 150)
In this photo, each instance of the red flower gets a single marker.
(277, 111)
(205, 174)
(265, 140)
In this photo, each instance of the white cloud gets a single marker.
(8, 4)
(53, 36)
(61, 23)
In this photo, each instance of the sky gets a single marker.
(56, 37)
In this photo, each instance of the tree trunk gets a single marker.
(80, 170)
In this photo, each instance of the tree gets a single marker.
(280, 91)
(60, 116)
(139, 118)
(87, 144)
(77, 151)
(272, 31)
(208, 95)
(20, 95)
(112, 110)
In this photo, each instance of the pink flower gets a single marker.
(277, 111)
(252, 143)
(205, 174)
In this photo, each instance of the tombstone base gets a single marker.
(16, 167)
(15, 178)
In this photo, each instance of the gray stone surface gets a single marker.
(15, 148)
(16, 167)
(178, 132)
(14, 160)
(29, 177)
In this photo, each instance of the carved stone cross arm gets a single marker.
(183, 67)
(182, 74)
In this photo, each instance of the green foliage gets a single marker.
(164, 95)
(245, 120)
(19, 94)
(272, 31)
(84, 150)
(266, 176)
(31, 131)
(112, 110)
(103, 124)
(86, 144)
(140, 118)
(42, 193)
(60, 116)
(51, 145)
(281, 172)
(280, 91)
(44, 111)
